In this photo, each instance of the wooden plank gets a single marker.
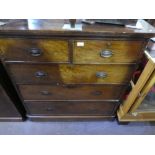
(149, 68)
(132, 84)
(144, 92)
(149, 116)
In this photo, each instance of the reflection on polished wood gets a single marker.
(70, 74)
(22, 50)
(54, 26)
(122, 51)
(61, 73)
(71, 92)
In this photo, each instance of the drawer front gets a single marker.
(99, 52)
(70, 74)
(40, 50)
(71, 92)
(71, 108)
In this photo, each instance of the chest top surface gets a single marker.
(55, 27)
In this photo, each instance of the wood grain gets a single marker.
(122, 51)
(71, 92)
(140, 117)
(20, 50)
(143, 94)
(58, 55)
(128, 103)
(70, 74)
(71, 108)
(54, 28)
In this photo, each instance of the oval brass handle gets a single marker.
(45, 92)
(106, 54)
(40, 74)
(35, 52)
(101, 74)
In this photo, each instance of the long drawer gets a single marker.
(99, 52)
(71, 108)
(37, 50)
(70, 74)
(71, 92)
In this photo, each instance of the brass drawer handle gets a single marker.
(45, 92)
(101, 74)
(106, 54)
(35, 52)
(40, 74)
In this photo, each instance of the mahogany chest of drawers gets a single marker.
(70, 74)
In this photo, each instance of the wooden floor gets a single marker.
(76, 128)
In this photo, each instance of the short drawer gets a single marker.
(71, 108)
(71, 92)
(37, 50)
(100, 52)
(70, 74)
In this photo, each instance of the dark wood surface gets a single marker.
(53, 27)
(57, 51)
(55, 78)
(122, 51)
(69, 74)
(8, 112)
(71, 108)
(8, 88)
(40, 50)
(71, 92)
